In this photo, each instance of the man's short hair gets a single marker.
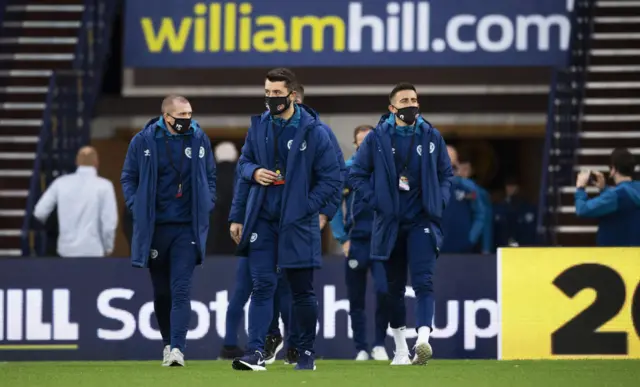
(623, 161)
(300, 90)
(359, 129)
(285, 75)
(401, 87)
(168, 101)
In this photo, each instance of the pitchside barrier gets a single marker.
(520, 304)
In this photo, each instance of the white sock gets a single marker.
(423, 335)
(399, 337)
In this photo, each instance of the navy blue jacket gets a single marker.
(332, 207)
(618, 213)
(356, 220)
(375, 159)
(464, 220)
(515, 221)
(313, 181)
(139, 181)
(487, 244)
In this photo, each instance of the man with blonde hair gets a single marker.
(169, 184)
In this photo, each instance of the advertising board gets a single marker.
(336, 33)
(561, 303)
(102, 309)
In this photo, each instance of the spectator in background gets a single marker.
(464, 218)
(219, 241)
(514, 218)
(86, 207)
(616, 208)
(465, 169)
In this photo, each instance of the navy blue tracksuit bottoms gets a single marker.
(263, 251)
(173, 258)
(238, 300)
(415, 250)
(357, 267)
(282, 305)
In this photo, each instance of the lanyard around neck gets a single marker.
(409, 151)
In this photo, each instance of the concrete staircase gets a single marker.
(37, 37)
(611, 115)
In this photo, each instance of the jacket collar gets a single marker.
(388, 123)
(87, 170)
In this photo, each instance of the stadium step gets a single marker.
(609, 139)
(614, 73)
(37, 37)
(611, 111)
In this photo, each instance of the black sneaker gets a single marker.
(231, 352)
(272, 345)
(292, 356)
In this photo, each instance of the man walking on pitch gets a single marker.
(290, 163)
(405, 159)
(282, 301)
(352, 228)
(169, 185)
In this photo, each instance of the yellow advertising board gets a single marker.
(563, 303)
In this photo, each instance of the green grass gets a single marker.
(439, 373)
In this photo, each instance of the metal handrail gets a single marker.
(544, 176)
(76, 92)
(3, 6)
(564, 110)
(27, 235)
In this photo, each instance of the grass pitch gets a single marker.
(439, 373)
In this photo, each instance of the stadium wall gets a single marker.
(521, 304)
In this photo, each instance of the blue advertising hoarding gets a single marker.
(102, 309)
(192, 33)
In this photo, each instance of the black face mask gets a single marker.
(277, 105)
(408, 114)
(181, 125)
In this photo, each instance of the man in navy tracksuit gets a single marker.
(352, 229)
(405, 160)
(291, 164)
(465, 170)
(616, 208)
(282, 301)
(169, 185)
(514, 218)
(243, 283)
(464, 221)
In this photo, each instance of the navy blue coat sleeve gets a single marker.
(211, 171)
(445, 172)
(326, 170)
(130, 172)
(247, 163)
(240, 195)
(361, 169)
(330, 209)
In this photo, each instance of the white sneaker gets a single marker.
(176, 358)
(165, 356)
(362, 356)
(379, 353)
(424, 353)
(401, 358)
